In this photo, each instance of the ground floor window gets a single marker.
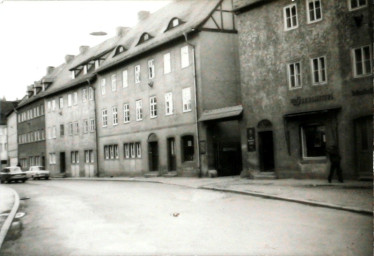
(23, 163)
(132, 150)
(188, 148)
(88, 156)
(111, 152)
(75, 157)
(313, 141)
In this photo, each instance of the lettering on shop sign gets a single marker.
(251, 139)
(299, 101)
(362, 92)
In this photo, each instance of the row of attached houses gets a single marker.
(250, 87)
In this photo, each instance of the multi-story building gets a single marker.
(12, 149)
(168, 96)
(70, 113)
(306, 83)
(5, 108)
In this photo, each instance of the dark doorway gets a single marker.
(172, 165)
(153, 155)
(43, 161)
(266, 151)
(62, 162)
(364, 145)
(228, 158)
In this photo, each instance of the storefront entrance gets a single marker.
(364, 146)
(266, 151)
(172, 165)
(62, 162)
(228, 158)
(153, 152)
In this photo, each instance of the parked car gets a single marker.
(37, 172)
(12, 173)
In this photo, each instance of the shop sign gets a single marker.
(362, 92)
(251, 139)
(299, 101)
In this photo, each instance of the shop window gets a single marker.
(313, 141)
(188, 148)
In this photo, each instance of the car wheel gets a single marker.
(23, 181)
(2, 181)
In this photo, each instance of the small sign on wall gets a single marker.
(251, 139)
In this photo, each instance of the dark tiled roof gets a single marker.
(192, 12)
(5, 108)
(241, 4)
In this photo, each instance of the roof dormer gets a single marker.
(119, 49)
(174, 22)
(144, 37)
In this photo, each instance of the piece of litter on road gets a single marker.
(20, 215)
(176, 214)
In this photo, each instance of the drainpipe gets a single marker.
(195, 97)
(96, 134)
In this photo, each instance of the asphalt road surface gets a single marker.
(126, 218)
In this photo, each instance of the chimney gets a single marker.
(50, 70)
(121, 31)
(142, 15)
(83, 49)
(68, 58)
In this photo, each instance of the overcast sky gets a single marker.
(37, 34)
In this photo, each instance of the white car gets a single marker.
(37, 172)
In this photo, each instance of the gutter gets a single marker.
(195, 98)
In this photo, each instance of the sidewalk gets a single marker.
(9, 203)
(354, 196)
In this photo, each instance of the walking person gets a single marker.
(333, 153)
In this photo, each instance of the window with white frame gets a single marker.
(54, 132)
(167, 63)
(185, 61)
(111, 152)
(84, 95)
(75, 98)
(313, 139)
(186, 99)
(70, 100)
(103, 81)
(153, 106)
(290, 17)
(151, 69)
(75, 157)
(76, 127)
(92, 125)
(362, 61)
(88, 156)
(126, 113)
(115, 115)
(356, 4)
(90, 93)
(115, 148)
(138, 149)
(85, 126)
(314, 10)
(71, 128)
(139, 110)
(137, 74)
(114, 82)
(294, 75)
(168, 103)
(104, 117)
(61, 102)
(53, 105)
(124, 79)
(126, 150)
(132, 150)
(319, 75)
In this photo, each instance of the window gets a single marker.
(126, 150)
(124, 79)
(84, 95)
(115, 148)
(126, 113)
(71, 128)
(115, 115)
(88, 156)
(53, 105)
(153, 106)
(42, 109)
(169, 103)
(184, 57)
(76, 126)
(85, 126)
(139, 111)
(290, 17)
(114, 82)
(54, 132)
(106, 152)
(186, 98)
(138, 149)
(37, 111)
(137, 74)
(111, 152)
(61, 102)
(356, 4)
(151, 69)
(62, 130)
(188, 148)
(52, 159)
(319, 75)
(49, 106)
(70, 100)
(105, 117)
(74, 157)
(43, 134)
(103, 86)
(132, 150)
(75, 98)
(362, 61)
(92, 125)
(175, 22)
(294, 75)
(90, 93)
(314, 10)
(167, 64)
(313, 141)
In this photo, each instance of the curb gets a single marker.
(5, 228)
(294, 200)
